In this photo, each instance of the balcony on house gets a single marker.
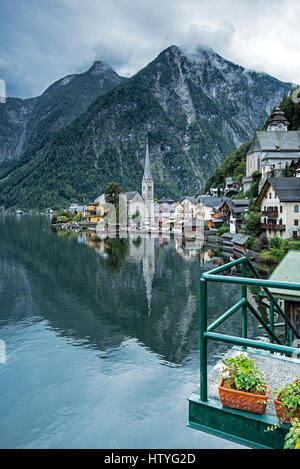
(271, 212)
(273, 226)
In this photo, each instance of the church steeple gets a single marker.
(277, 121)
(147, 184)
(147, 171)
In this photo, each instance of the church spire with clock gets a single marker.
(148, 187)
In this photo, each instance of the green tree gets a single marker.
(112, 194)
(253, 223)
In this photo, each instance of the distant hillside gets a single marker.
(27, 125)
(195, 108)
(235, 164)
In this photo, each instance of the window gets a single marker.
(296, 222)
(280, 208)
(296, 208)
(270, 195)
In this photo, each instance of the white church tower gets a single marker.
(148, 189)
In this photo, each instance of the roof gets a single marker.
(281, 155)
(210, 201)
(227, 235)
(240, 239)
(275, 140)
(129, 195)
(277, 116)
(287, 271)
(287, 189)
(193, 200)
(166, 201)
(101, 198)
(238, 206)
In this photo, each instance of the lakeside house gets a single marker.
(235, 209)
(164, 211)
(229, 213)
(211, 206)
(272, 149)
(280, 206)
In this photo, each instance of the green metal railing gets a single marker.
(207, 332)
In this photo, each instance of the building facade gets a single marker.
(272, 149)
(280, 207)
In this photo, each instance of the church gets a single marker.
(272, 149)
(141, 208)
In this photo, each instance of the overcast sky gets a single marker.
(44, 40)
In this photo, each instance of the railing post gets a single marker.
(244, 308)
(272, 319)
(203, 340)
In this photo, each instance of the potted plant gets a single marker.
(292, 439)
(287, 402)
(242, 385)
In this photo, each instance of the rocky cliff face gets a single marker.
(196, 108)
(27, 124)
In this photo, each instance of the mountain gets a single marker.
(196, 108)
(27, 125)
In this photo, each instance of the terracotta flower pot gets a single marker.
(243, 400)
(280, 410)
(281, 413)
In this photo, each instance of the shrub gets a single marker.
(292, 439)
(251, 244)
(244, 373)
(276, 242)
(289, 396)
(62, 219)
(223, 229)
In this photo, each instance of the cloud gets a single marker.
(45, 41)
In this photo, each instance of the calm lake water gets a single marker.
(102, 339)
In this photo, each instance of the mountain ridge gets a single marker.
(195, 114)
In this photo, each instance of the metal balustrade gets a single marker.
(207, 332)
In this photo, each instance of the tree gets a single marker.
(253, 223)
(112, 193)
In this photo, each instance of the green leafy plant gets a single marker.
(292, 439)
(243, 374)
(289, 396)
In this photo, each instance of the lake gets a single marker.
(102, 338)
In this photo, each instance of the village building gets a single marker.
(234, 210)
(164, 210)
(232, 187)
(280, 207)
(77, 209)
(272, 149)
(211, 206)
(185, 209)
(135, 206)
(239, 243)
